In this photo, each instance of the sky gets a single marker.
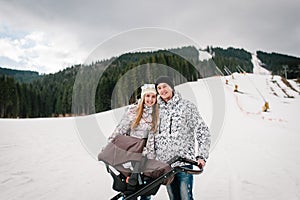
(48, 36)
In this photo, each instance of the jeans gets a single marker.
(181, 186)
(145, 198)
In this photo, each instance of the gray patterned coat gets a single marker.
(179, 125)
(143, 128)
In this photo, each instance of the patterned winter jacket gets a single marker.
(179, 125)
(143, 128)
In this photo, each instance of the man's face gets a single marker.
(165, 91)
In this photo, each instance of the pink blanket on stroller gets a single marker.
(124, 149)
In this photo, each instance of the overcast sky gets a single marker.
(48, 35)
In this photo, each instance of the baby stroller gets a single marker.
(133, 174)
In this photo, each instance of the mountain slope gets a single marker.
(254, 156)
(22, 76)
(51, 95)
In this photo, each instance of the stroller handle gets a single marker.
(188, 161)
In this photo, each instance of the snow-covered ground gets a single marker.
(257, 69)
(256, 156)
(204, 55)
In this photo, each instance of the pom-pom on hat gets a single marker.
(148, 88)
(164, 79)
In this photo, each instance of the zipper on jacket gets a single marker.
(170, 128)
(159, 125)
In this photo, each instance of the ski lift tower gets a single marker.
(285, 67)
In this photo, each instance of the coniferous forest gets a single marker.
(27, 94)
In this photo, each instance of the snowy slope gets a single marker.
(257, 69)
(204, 55)
(256, 156)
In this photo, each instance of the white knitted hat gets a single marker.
(148, 88)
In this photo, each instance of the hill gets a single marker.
(22, 76)
(233, 58)
(278, 62)
(28, 94)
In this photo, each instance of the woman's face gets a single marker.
(165, 91)
(150, 99)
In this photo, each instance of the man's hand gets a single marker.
(201, 162)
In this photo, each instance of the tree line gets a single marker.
(108, 84)
(231, 58)
(277, 63)
(52, 94)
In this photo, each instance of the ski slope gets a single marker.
(255, 157)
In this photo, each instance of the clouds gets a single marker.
(72, 29)
(35, 51)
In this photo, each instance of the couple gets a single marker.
(172, 124)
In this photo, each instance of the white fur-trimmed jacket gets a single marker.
(179, 125)
(144, 127)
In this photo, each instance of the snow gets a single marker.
(204, 55)
(284, 88)
(257, 69)
(295, 85)
(255, 157)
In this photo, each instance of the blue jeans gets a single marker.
(181, 187)
(145, 198)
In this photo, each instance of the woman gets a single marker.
(140, 120)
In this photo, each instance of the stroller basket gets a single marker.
(149, 176)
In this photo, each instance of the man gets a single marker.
(180, 124)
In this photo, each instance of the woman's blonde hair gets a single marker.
(140, 110)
